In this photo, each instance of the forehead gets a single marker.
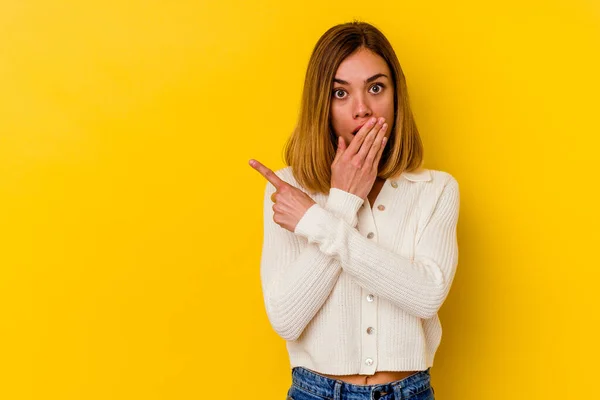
(361, 65)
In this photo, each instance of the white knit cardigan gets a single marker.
(355, 289)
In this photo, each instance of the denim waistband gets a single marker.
(340, 390)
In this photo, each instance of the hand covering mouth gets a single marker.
(354, 132)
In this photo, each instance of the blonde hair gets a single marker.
(311, 148)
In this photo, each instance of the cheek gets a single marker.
(386, 107)
(337, 121)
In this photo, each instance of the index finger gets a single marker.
(362, 134)
(268, 174)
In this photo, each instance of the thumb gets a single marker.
(341, 147)
(342, 143)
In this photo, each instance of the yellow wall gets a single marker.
(131, 221)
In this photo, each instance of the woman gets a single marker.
(360, 246)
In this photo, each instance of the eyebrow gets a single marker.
(368, 80)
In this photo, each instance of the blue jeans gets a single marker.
(307, 385)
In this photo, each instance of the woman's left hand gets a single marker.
(290, 203)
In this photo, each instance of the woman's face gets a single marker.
(362, 89)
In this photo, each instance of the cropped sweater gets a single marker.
(356, 289)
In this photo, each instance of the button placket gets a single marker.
(368, 303)
(368, 334)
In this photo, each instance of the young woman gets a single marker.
(360, 246)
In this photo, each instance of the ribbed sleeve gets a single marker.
(297, 278)
(419, 285)
(344, 205)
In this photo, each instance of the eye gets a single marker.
(336, 91)
(379, 87)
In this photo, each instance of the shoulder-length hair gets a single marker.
(311, 148)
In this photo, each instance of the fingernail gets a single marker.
(252, 163)
(385, 126)
(373, 120)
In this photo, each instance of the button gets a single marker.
(370, 330)
(369, 361)
(394, 185)
(381, 207)
(370, 298)
(370, 235)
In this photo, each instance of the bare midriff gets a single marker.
(378, 378)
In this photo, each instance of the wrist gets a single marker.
(344, 205)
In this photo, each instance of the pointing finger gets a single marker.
(268, 174)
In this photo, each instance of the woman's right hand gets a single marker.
(355, 167)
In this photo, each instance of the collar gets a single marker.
(420, 175)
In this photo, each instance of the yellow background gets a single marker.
(132, 223)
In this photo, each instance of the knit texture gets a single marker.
(355, 289)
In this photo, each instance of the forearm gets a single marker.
(419, 285)
(296, 289)
(296, 276)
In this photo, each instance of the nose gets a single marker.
(361, 108)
